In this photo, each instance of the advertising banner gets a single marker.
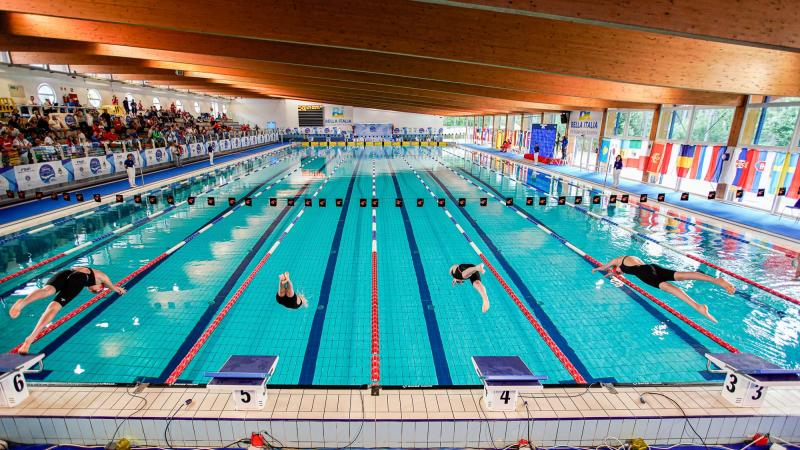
(90, 166)
(236, 142)
(338, 115)
(373, 129)
(32, 176)
(585, 123)
(119, 160)
(153, 156)
(8, 179)
(223, 145)
(197, 149)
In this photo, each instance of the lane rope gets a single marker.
(596, 263)
(187, 359)
(642, 236)
(559, 354)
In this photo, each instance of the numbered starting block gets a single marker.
(748, 376)
(504, 378)
(245, 377)
(13, 386)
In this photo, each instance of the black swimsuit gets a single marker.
(289, 302)
(69, 283)
(652, 274)
(458, 273)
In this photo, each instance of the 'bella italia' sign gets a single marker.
(585, 123)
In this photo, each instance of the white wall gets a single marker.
(284, 114)
(30, 79)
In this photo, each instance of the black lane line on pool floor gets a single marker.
(109, 237)
(538, 311)
(309, 366)
(434, 335)
(696, 345)
(86, 319)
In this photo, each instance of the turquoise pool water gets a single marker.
(428, 328)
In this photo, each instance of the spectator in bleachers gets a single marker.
(32, 101)
(133, 106)
(140, 107)
(114, 100)
(126, 105)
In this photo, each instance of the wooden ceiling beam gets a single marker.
(759, 24)
(180, 47)
(500, 40)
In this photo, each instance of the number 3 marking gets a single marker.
(759, 392)
(731, 384)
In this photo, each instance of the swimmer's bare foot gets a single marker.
(482, 269)
(703, 309)
(25, 347)
(725, 284)
(282, 277)
(16, 309)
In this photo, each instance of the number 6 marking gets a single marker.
(19, 383)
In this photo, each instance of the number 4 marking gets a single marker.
(505, 396)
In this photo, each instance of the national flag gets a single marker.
(760, 164)
(665, 161)
(743, 166)
(782, 171)
(685, 159)
(715, 164)
(656, 154)
(696, 171)
(791, 192)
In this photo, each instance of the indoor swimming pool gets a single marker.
(202, 278)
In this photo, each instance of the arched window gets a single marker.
(215, 108)
(197, 107)
(46, 93)
(156, 102)
(93, 95)
(178, 105)
(224, 108)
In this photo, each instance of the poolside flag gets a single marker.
(137, 198)
(39, 195)
(374, 202)
(420, 201)
(612, 198)
(596, 200)
(66, 196)
(398, 202)
(745, 168)
(273, 201)
(440, 202)
(152, 199)
(529, 201)
(362, 203)
(684, 196)
(307, 202)
(231, 201)
(322, 203)
(339, 202)
(685, 159)
(53, 196)
(484, 201)
(189, 200)
(119, 198)
(578, 199)
(783, 170)
(211, 201)
(795, 184)
(643, 198)
(656, 155)
(21, 194)
(462, 201)
(763, 169)
(714, 169)
(542, 201)
(661, 196)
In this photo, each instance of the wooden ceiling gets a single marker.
(440, 57)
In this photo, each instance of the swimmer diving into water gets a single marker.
(286, 295)
(471, 272)
(660, 277)
(66, 285)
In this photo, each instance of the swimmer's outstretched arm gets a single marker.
(103, 279)
(613, 264)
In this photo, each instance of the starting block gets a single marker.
(245, 377)
(13, 367)
(748, 376)
(504, 378)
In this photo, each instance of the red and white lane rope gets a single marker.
(118, 231)
(559, 354)
(596, 263)
(49, 328)
(663, 244)
(187, 359)
(375, 366)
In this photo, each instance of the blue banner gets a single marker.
(545, 137)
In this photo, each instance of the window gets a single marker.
(5, 57)
(179, 105)
(675, 124)
(770, 126)
(46, 93)
(94, 97)
(156, 102)
(215, 108)
(224, 108)
(712, 125)
(197, 107)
